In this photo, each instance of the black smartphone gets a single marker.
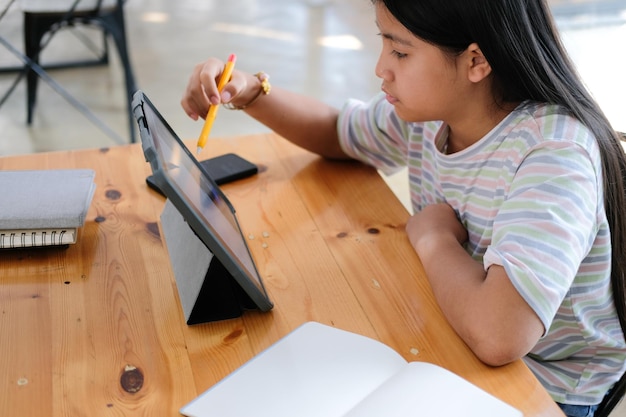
(222, 169)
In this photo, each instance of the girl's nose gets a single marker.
(380, 70)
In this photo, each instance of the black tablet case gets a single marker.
(210, 281)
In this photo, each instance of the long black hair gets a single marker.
(520, 41)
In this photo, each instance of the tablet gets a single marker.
(206, 210)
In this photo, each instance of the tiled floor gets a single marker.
(326, 48)
(167, 38)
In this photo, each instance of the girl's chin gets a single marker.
(407, 117)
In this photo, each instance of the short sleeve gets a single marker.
(547, 225)
(372, 133)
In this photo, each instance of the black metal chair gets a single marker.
(43, 18)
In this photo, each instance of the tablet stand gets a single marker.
(207, 291)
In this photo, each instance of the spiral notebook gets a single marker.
(43, 207)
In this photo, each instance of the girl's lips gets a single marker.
(391, 99)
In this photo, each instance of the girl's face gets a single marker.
(420, 80)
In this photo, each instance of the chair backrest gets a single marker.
(60, 6)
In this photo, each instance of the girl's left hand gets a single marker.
(435, 222)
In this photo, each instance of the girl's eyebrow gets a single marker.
(394, 38)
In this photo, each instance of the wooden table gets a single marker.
(97, 329)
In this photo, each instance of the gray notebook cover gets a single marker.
(57, 198)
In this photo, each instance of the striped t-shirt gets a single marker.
(530, 196)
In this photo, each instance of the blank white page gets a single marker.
(316, 370)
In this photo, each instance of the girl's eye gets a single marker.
(387, 39)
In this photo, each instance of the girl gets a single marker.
(516, 180)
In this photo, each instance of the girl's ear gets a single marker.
(478, 66)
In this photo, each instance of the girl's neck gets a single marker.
(475, 124)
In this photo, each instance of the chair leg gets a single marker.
(114, 24)
(35, 27)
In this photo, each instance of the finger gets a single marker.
(192, 108)
(209, 74)
(193, 103)
(234, 87)
(201, 89)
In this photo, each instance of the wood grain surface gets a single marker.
(97, 329)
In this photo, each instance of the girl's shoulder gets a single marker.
(536, 129)
(546, 122)
(540, 128)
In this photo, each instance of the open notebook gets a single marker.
(318, 370)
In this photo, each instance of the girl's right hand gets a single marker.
(202, 92)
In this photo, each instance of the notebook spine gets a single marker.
(12, 239)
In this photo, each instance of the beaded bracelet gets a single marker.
(265, 90)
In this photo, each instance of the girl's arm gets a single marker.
(307, 122)
(484, 308)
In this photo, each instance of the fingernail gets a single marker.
(226, 96)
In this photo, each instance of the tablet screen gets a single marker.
(199, 192)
